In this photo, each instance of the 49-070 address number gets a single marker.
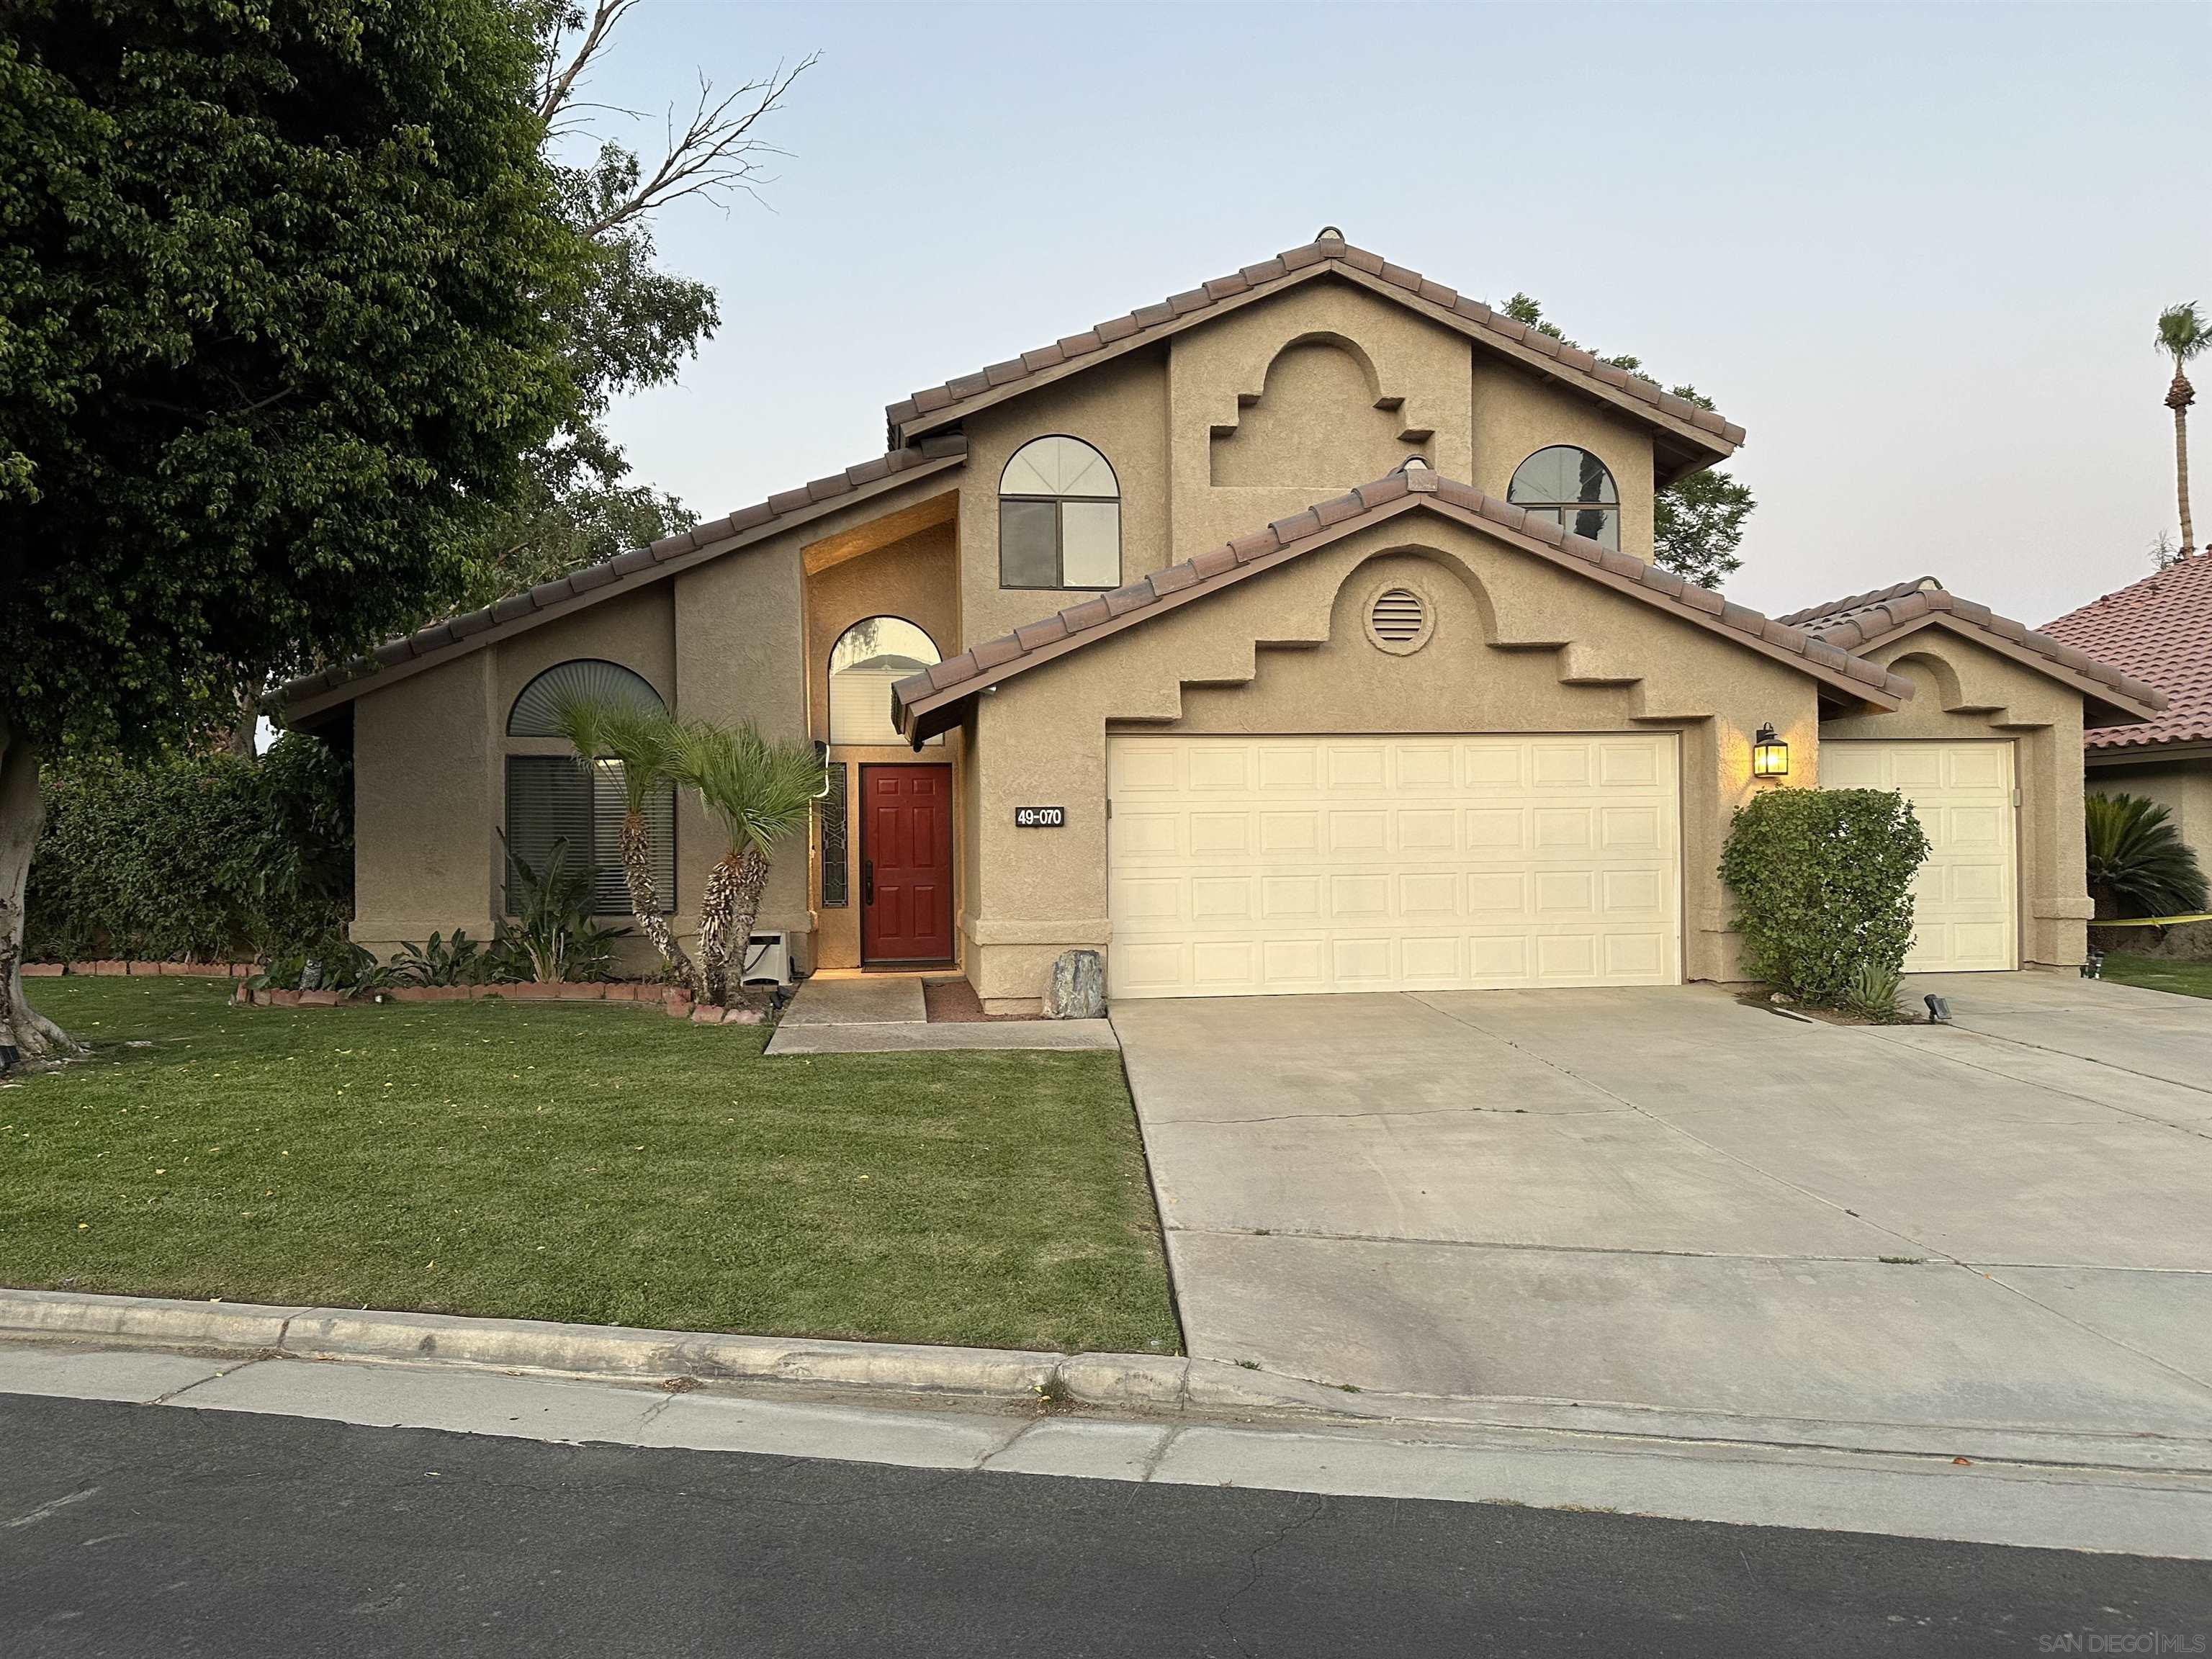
(1040, 817)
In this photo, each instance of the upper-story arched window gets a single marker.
(870, 657)
(1572, 488)
(1060, 517)
(552, 799)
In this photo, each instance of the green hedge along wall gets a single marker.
(204, 856)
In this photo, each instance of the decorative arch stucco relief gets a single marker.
(1956, 682)
(1321, 419)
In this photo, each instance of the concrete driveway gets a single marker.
(1667, 1200)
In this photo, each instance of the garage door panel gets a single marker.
(1380, 863)
(1965, 898)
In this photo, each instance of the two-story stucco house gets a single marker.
(1294, 634)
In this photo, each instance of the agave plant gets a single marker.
(641, 738)
(759, 791)
(2139, 866)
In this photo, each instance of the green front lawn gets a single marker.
(579, 1162)
(2189, 979)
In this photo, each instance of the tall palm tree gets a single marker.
(759, 791)
(606, 728)
(2182, 334)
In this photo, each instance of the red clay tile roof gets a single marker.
(2159, 630)
(1098, 618)
(456, 636)
(1700, 436)
(1865, 619)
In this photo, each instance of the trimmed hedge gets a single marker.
(1823, 882)
(193, 856)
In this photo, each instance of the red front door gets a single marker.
(906, 864)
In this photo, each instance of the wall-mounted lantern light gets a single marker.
(1770, 756)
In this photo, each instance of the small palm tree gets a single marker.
(2182, 335)
(604, 728)
(759, 791)
(2138, 863)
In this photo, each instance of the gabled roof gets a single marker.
(311, 694)
(926, 703)
(1689, 437)
(1866, 619)
(2159, 630)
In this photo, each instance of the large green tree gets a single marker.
(281, 285)
(1697, 522)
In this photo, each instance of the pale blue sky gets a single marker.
(1917, 251)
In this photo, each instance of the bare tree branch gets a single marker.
(713, 154)
(560, 79)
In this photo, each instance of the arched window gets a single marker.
(553, 800)
(1060, 517)
(869, 658)
(1572, 488)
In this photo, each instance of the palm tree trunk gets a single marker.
(745, 902)
(2179, 397)
(24, 1032)
(716, 906)
(644, 900)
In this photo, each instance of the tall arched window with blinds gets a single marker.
(553, 799)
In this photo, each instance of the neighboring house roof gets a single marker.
(311, 694)
(926, 702)
(1689, 436)
(2159, 630)
(1867, 619)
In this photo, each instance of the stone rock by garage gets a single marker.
(1078, 989)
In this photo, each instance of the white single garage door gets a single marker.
(1243, 866)
(1965, 904)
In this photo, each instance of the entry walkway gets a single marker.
(840, 1013)
(1667, 1200)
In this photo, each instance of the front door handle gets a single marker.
(867, 881)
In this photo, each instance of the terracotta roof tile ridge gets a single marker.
(1323, 250)
(451, 630)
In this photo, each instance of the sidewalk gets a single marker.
(1132, 1417)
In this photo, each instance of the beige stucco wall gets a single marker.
(1517, 414)
(1964, 690)
(2183, 787)
(918, 578)
(1494, 663)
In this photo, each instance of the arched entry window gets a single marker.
(1572, 488)
(551, 798)
(869, 658)
(1060, 517)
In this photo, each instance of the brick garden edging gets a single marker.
(674, 1000)
(107, 970)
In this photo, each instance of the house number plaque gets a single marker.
(1040, 817)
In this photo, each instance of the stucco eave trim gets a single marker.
(2129, 708)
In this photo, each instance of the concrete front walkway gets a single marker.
(856, 1013)
(1667, 1199)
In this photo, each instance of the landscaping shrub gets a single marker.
(2138, 864)
(199, 856)
(1823, 883)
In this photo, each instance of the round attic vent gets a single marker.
(1398, 621)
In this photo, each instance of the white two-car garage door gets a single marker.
(1250, 865)
(1966, 901)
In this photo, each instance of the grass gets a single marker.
(2188, 979)
(580, 1163)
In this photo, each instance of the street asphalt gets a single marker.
(126, 1529)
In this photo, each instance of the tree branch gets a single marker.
(714, 153)
(560, 80)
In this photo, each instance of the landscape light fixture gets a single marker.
(1770, 756)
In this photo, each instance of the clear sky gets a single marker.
(1918, 252)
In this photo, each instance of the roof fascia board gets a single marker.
(2155, 750)
(617, 586)
(1707, 448)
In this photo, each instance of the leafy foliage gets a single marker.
(194, 855)
(281, 287)
(1698, 521)
(2184, 334)
(1873, 991)
(759, 791)
(553, 937)
(1823, 883)
(457, 961)
(2138, 864)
